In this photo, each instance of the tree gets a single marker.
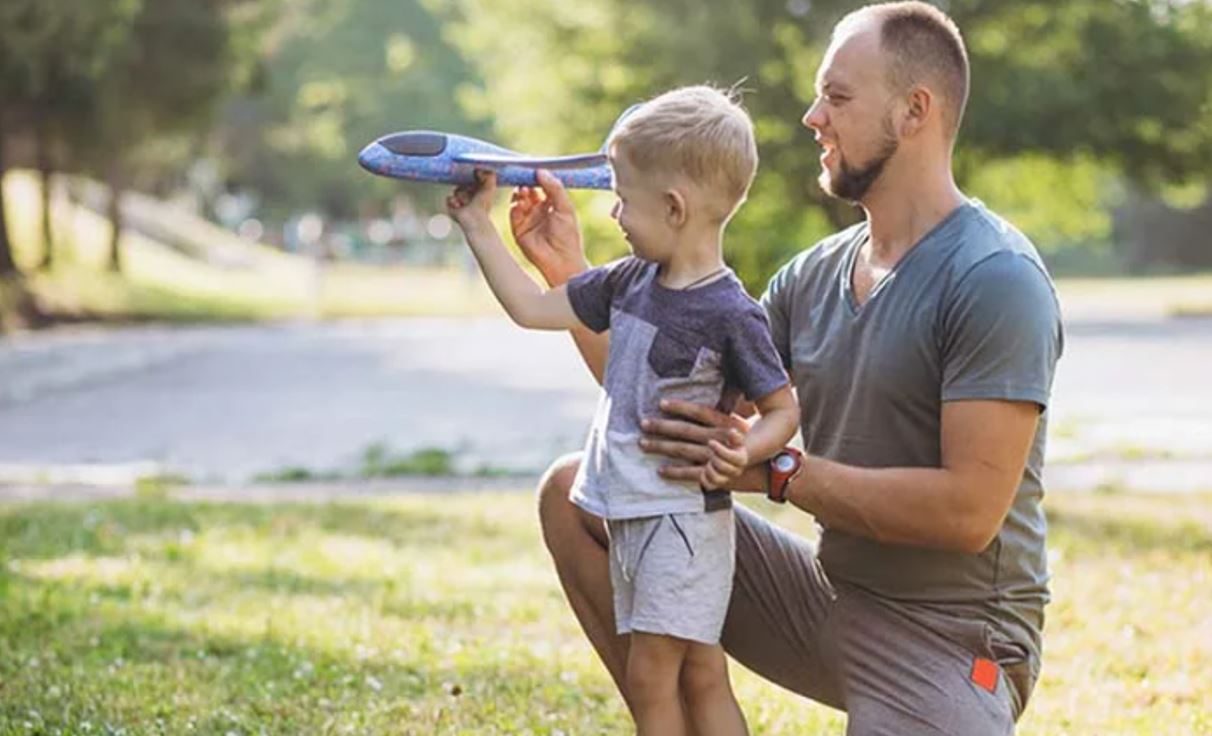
(163, 82)
(50, 54)
(1126, 84)
(335, 75)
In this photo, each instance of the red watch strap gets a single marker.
(780, 472)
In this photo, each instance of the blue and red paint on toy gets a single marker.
(446, 158)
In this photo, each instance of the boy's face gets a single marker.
(641, 210)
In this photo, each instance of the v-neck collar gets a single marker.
(880, 286)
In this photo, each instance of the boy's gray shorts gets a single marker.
(672, 574)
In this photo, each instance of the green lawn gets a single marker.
(441, 615)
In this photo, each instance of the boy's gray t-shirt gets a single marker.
(707, 344)
(968, 313)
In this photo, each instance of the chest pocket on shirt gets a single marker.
(672, 355)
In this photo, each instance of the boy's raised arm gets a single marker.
(544, 224)
(527, 303)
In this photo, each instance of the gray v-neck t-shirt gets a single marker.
(968, 313)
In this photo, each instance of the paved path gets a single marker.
(1133, 400)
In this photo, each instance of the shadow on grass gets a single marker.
(126, 668)
(133, 669)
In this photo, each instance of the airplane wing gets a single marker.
(496, 160)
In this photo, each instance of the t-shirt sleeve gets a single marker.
(753, 363)
(1002, 332)
(592, 292)
(775, 301)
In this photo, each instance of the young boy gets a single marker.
(681, 326)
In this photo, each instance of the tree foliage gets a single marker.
(336, 74)
(1125, 84)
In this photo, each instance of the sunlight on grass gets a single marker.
(432, 614)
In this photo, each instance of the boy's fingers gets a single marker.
(731, 455)
(555, 191)
(725, 468)
(713, 478)
(486, 183)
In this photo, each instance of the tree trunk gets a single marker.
(47, 172)
(115, 219)
(8, 267)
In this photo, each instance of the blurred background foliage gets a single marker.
(1089, 126)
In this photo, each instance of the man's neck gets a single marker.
(905, 205)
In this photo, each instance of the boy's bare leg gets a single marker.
(654, 665)
(579, 547)
(707, 693)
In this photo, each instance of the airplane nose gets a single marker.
(371, 157)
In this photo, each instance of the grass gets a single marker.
(1151, 296)
(431, 614)
(381, 461)
(211, 274)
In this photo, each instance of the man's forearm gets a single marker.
(920, 507)
(593, 346)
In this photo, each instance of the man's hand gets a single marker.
(470, 204)
(685, 434)
(544, 224)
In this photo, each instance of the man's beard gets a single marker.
(852, 183)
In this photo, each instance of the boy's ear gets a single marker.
(676, 211)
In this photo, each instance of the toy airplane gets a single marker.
(445, 158)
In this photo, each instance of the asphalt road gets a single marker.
(222, 404)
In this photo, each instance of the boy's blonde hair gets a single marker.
(701, 132)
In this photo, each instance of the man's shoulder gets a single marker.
(989, 242)
(995, 265)
(824, 255)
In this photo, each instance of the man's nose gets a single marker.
(814, 116)
(614, 211)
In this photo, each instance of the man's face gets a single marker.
(852, 114)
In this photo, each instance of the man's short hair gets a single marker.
(701, 132)
(923, 44)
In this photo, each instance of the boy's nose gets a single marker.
(614, 211)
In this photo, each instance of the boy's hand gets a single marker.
(470, 204)
(546, 230)
(726, 463)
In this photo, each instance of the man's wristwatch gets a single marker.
(784, 466)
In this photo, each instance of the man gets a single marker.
(922, 343)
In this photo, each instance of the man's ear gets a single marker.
(919, 105)
(676, 211)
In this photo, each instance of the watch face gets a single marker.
(784, 463)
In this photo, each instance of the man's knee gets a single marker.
(557, 481)
(558, 516)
